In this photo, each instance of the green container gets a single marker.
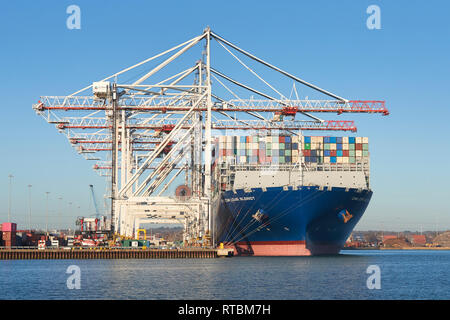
(326, 146)
(307, 146)
(365, 153)
(351, 153)
(351, 146)
(275, 139)
(281, 145)
(268, 153)
(282, 159)
(269, 145)
(287, 152)
(351, 159)
(249, 152)
(365, 147)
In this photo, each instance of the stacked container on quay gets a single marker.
(289, 195)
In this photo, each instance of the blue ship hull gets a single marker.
(306, 221)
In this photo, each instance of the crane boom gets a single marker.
(97, 213)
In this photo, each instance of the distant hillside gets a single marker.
(443, 239)
(397, 243)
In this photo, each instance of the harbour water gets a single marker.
(421, 274)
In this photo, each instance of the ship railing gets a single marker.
(357, 166)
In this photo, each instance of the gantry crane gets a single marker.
(143, 134)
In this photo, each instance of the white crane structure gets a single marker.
(145, 133)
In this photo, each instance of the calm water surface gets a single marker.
(404, 275)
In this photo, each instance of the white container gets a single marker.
(345, 146)
(345, 140)
(332, 146)
(365, 140)
(358, 140)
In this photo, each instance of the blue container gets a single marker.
(339, 153)
(262, 145)
(307, 139)
(313, 159)
(281, 152)
(313, 153)
(327, 153)
(288, 159)
(275, 160)
(242, 139)
(287, 139)
(332, 139)
(339, 140)
(287, 146)
(351, 140)
(333, 159)
(339, 146)
(326, 139)
(295, 146)
(307, 159)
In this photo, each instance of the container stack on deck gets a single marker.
(335, 149)
(290, 149)
(259, 150)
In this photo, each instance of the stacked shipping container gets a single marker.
(291, 149)
(259, 150)
(9, 234)
(335, 149)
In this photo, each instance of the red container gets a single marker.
(281, 139)
(9, 226)
(332, 153)
(358, 146)
(345, 153)
(7, 236)
(306, 153)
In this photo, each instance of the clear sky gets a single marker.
(406, 63)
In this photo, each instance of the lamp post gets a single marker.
(10, 187)
(60, 212)
(29, 206)
(46, 215)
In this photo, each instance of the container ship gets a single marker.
(289, 195)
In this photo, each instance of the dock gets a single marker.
(85, 254)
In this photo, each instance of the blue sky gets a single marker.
(327, 43)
